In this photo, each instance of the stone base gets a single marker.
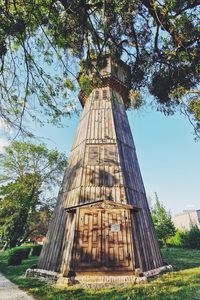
(154, 272)
(95, 280)
(99, 281)
(45, 275)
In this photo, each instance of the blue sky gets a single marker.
(169, 157)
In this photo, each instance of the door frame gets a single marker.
(99, 207)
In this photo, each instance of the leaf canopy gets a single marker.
(44, 40)
(30, 178)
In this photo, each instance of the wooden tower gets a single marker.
(102, 221)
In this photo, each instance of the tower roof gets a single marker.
(115, 74)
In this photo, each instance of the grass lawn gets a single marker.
(182, 284)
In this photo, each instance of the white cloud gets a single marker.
(3, 143)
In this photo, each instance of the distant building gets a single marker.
(40, 239)
(186, 219)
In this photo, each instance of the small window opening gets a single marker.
(105, 94)
(96, 95)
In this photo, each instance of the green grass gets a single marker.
(182, 259)
(182, 284)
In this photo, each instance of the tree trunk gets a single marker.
(5, 247)
(26, 236)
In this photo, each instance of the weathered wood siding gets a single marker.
(102, 165)
(143, 231)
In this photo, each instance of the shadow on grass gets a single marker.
(181, 285)
(17, 273)
(181, 259)
(171, 286)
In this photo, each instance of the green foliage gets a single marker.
(176, 240)
(39, 221)
(24, 35)
(17, 254)
(162, 221)
(186, 239)
(19, 200)
(182, 284)
(15, 258)
(191, 238)
(159, 40)
(86, 81)
(136, 100)
(194, 107)
(21, 158)
(85, 85)
(25, 251)
(29, 172)
(69, 84)
(36, 250)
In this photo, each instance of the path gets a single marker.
(9, 291)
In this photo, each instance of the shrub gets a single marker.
(15, 257)
(160, 243)
(36, 250)
(186, 239)
(17, 254)
(191, 238)
(25, 251)
(177, 239)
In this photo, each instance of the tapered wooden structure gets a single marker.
(102, 221)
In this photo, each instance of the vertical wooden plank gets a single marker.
(96, 124)
(103, 123)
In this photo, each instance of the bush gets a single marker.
(36, 250)
(160, 243)
(25, 251)
(191, 239)
(177, 239)
(17, 254)
(186, 239)
(15, 257)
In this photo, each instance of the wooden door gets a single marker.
(103, 240)
(88, 240)
(116, 240)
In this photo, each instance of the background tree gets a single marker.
(31, 174)
(38, 222)
(19, 200)
(158, 39)
(162, 221)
